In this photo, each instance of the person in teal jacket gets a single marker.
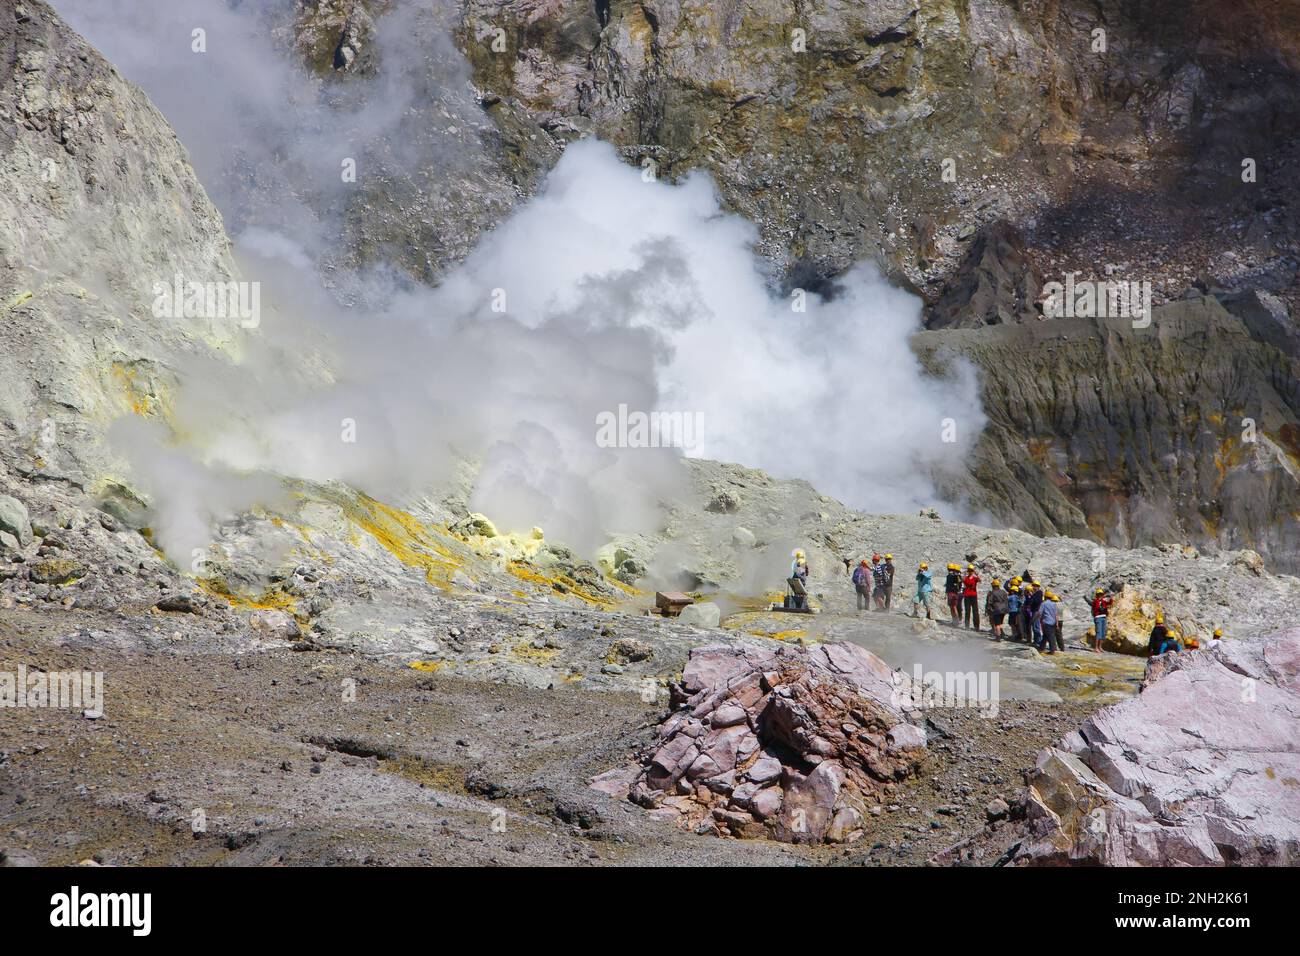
(924, 588)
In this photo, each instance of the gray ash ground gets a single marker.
(419, 770)
(942, 816)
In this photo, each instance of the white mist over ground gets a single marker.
(616, 291)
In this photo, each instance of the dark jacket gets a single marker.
(1158, 635)
(952, 584)
(996, 601)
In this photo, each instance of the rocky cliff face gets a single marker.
(329, 586)
(976, 150)
(1182, 431)
(894, 130)
(98, 202)
(1127, 436)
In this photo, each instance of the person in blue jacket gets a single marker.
(1014, 602)
(862, 584)
(924, 588)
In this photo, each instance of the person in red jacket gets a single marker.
(970, 596)
(1101, 603)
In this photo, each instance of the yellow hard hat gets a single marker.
(1038, 584)
(1218, 632)
(889, 557)
(798, 553)
(924, 566)
(1101, 590)
(996, 582)
(1160, 618)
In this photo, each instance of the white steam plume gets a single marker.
(617, 291)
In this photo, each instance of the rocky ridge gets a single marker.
(1200, 770)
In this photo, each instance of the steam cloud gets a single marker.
(617, 291)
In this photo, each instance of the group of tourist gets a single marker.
(1020, 609)
(874, 583)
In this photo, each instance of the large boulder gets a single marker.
(1201, 769)
(707, 614)
(14, 519)
(789, 743)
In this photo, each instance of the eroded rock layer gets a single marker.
(1202, 769)
(790, 743)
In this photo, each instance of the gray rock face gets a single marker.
(1065, 182)
(14, 519)
(995, 285)
(455, 163)
(1267, 318)
(98, 202)
(1004, 111)
(1181, 431)
(1199, 770)
(1131, 458)
(781, 742)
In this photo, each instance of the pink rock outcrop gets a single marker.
(1201, 769)
(784, 742)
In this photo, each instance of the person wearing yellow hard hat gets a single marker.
(1216, 636)
(952, 591)
(924, 588)
(1049, 624)
(1100, 608)
(1015, 602)
(1159, 634)
(996, 607)
(1033, 603)
(970, 597)
(1170, 643)
(798, 580)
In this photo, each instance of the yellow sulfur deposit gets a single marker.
(485, 540)
(561, 583)
(403, 536)
(268, 600)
